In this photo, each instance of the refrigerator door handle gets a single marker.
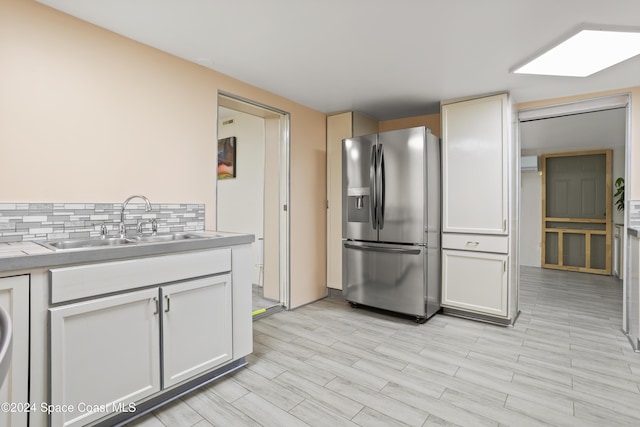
(381, 187)
(381, 249)
(373, 188)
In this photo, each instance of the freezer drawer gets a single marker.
(389, 277)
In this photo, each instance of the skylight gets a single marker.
(585, 53)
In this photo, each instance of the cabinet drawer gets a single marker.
(476, 242)
(89, 280)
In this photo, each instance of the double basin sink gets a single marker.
(118, 241)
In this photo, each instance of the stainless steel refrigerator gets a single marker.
(391, 221)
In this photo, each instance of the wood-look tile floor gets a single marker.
(565, 363)
(258, 300)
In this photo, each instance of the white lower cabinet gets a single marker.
(107, 351)
(196, 327)
(475, 281)
(14, 298)
(104, 351)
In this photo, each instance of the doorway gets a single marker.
(252, 192)
(592, 124)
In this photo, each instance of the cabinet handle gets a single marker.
(474, 244)
(155, 299)
(168, 303)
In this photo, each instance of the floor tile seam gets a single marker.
(359, 372)
(470, 365)
(520, 391)
(511, 412)
(318, 403)
(374, 356)
(181, 399)
(610, 372)
(383, 396)
(615, 398)
(573, 374)
(227, 401)
(296, 417)
(516, 368)
(619, 359)
(402, 378)
(416, 362)
(568, 420)
(629, 412)
(574, 396)
(248, 415)
(257, 393)
(313, 399)
(544, 420)
(430, 412)
(421, 410)
(444, 380)
(615, 341)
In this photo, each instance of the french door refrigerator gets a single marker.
(391, 221)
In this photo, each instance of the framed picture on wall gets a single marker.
(227, 158)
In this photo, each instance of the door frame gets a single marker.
(596, 103)
(248, 106)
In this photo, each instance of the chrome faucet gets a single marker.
(103, 231)
(123, 229)
(154, 226)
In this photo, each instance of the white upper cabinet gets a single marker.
(475, 137)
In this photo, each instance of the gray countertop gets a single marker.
(30, 255)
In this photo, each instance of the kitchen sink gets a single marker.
(86, 243)
(71, 244)
(170, 237)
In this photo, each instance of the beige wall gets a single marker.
(90, 116)
(432, 121)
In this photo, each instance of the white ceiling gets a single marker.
(388, 59)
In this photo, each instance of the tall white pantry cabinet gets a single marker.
(479, 209)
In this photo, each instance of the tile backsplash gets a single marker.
(634, 213)
(46, 221)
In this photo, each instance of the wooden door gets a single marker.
(576, 211)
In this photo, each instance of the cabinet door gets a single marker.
(196, 327)
(475, 281)
(14, 298)
(475, 166)
(103, 352)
